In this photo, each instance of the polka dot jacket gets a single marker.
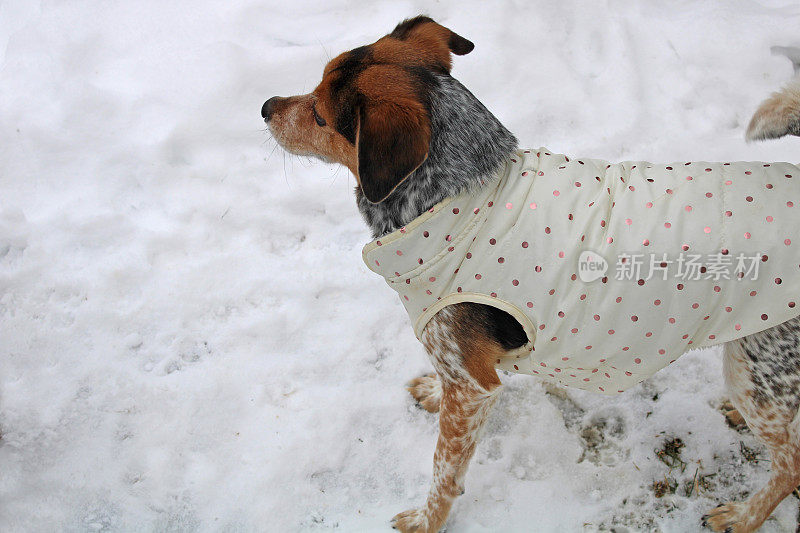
(534, 241)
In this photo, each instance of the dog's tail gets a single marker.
(779, 114)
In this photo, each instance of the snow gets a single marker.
(188, 337)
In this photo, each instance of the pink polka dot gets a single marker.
(501, 260)
(667, 225)
(738, 327)
(671, 320)
(609, 240)
(561, 255)
(425, 234)
(749, 198)
(596, 317)
(746, 234)
(432, 279)
(509, 205)
(524, 244)
(634, 318)
(685, 247)
(707, 229)
(764, 316)
(628, 221)
(648, 205)
(611, 332)
(769, 218)
(787, 242)
(657, 302)
(477, 276)
(530, 305)
(556, 193)
(398, 252)
(728, 182)
(455, 210)
(728, 213)
(646, 242)
(688, 208)
(515, 282)
(637, 361)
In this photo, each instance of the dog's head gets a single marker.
(371, 111)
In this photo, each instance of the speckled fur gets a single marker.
(762, 372)
(468, 145)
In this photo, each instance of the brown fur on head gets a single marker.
(370, 111)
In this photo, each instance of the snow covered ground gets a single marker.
(188, 338)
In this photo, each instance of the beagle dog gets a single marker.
(423, 149)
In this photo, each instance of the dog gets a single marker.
(417, 141)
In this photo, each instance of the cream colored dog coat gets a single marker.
(534, 242)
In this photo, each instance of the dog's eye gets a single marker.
(319, 119)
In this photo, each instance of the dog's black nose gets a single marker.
(268, 107)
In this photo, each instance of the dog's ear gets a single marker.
(423, 32)
(392, 140)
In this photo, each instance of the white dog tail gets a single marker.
(779, 114)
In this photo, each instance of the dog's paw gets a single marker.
(427, 391)
(730, 518)
(415, 520)
(733, 416)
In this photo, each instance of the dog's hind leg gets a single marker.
(463, 356)
(762, 372)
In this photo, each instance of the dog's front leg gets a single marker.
(463, 358)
